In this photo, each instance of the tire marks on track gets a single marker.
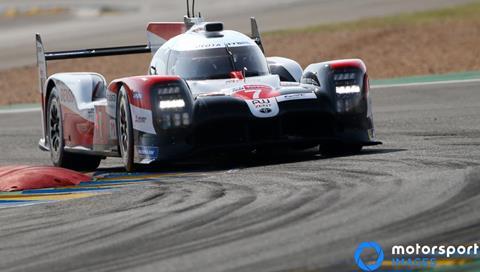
(102, 183)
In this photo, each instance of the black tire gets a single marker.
(125, 131)
(330, 150)
(58, 155)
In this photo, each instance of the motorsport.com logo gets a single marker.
(413, 253)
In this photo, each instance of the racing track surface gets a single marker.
(301, 212)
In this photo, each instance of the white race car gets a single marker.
(207, 89)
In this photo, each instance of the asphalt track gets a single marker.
(287, 212)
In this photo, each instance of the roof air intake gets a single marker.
(214, 27)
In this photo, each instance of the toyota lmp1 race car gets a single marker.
(207, 88)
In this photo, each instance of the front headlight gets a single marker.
(172, 104)
(348, 89)
(346, 82)
(170, 98)
(173, 110)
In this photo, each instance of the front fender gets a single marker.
(340, 79)
(322, 74)
(147, 119)
(139, 91)
(77, 91)
(347, 81)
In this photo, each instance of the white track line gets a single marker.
(11, 111)
(425, 83)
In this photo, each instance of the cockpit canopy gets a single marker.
(201, 55)
(217, 63)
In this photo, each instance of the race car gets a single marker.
(207, 89)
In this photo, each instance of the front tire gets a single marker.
(58, 155)
(125, 131)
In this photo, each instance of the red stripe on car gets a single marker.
(356, 63)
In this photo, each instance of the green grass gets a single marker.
(469, 11)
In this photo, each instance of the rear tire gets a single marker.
(58, 155)
(125, 130)
(330, 150)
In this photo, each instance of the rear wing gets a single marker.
(43, 57)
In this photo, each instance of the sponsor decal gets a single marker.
(236, 89)
(112, 129)
(232, 81)
(142, 120)
(221, 45)
(137, 95)
(148, 152)
(263, 108)
(91, 114)
(296, 96)
(111, 103)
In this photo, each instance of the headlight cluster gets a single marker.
(346, 83)
(348, 89)
(172, 107)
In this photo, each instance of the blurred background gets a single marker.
(394, 37)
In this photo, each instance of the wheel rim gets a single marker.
(123, 128)
(54, 129)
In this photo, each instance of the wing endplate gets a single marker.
(256, 34)
(159, 33)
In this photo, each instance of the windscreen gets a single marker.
(217, 63)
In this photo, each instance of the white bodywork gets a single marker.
(76, 92)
